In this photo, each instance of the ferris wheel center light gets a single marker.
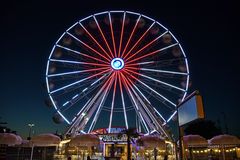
(117, 63)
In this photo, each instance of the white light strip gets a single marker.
(100, 13)
(63, 117)
(75, 96)
(144, 122)
(112, 106)
(72, 26)
(141, 93)
(65, 103)
(97, 80)
(145, 63)
(85, 18)
(65, 73)
(84, 89)
(163, 71)
(66, 61)
(167, 84)
(159, 114)
(171, 116)
(69, 85)
(158, 93)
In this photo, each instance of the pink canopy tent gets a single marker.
(224, 140)
(85, 140)
(151, 142)
(194, 141)
(46, 139)
(10, 139)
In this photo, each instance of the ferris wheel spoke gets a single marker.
(152, 53)
(123, 102)
(112, 106)
(139, 40)
(76, 72)
(87, 105)
(141, 63)
(86, 45)
(104, 38)
(151, 89)
(101, 103)
(134, 102)
(139, 91)
(164, 71)
(146, 110)
(156, 80)
(169, 119)
(112, 33)
(147, 45)
(130, 37)
(80, 53)
(79, 96)
(79, 81)
(78, 62)
(122, 31)
(159, 115)
(167, 62)
(107, 54)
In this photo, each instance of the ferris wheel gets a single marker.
(117, 68)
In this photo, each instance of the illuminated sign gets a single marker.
(191, 109)
(113, 138)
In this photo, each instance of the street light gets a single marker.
(30, 125)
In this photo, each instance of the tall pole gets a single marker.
(180, 134)
(225, 122)
(30, 125)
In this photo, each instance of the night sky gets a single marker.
(207, 31)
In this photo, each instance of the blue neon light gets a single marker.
(117, 63)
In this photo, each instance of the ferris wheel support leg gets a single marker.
(123, 102)
(100, 106)
(147, 112)
(78, 123)
(135, 104)
(112, 106)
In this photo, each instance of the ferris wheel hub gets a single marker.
(117, 63)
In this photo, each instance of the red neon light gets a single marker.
(98, 73)
(120, 44)
(136, 43)
(113, 40)
(145, 55)
(94, 58)
(96, 64)
(130, 36)
(99, 28)
(96, 42)
(96, 51)
(143, 48)
(94, 69)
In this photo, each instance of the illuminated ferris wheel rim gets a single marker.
(116, 63)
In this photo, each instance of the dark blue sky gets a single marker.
(207, 31)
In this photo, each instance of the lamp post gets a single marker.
(30, 125)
